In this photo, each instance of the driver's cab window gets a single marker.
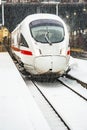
(22, 41)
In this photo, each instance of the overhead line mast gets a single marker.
(2, 3)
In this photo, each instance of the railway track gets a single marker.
(64, 101)
(70, 84)
(79, 81)
(52, 106)
(54, 119)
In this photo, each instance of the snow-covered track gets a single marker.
(66, 103)
(52, 106)
(78, 80)
(54, 120)
(75, 86)
(72, 89)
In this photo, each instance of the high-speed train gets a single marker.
(41, 43)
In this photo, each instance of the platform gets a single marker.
(18, 110)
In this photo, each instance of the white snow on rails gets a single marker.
(70, 106)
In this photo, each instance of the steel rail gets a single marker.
(68, 128)
(72, 90)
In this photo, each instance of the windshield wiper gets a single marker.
(47, 39)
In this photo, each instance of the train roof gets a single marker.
(33, 17)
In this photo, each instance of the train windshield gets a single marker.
(47, 31)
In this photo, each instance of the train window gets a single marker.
(23, 41)
(47, 31)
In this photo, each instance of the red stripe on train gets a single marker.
(26, 52)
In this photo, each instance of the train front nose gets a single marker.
(43, 64)
(50, 64)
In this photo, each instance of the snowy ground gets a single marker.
(78, 69)
(18, 110)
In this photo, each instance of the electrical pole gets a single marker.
(2, 3)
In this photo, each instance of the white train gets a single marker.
(41, 43)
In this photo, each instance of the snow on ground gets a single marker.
(69, 105)
(18, 110)
(78, 69)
